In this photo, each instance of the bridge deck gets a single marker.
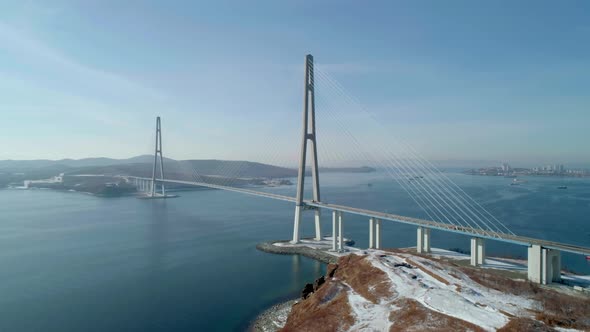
(503, 237)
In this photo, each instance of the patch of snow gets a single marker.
(452, 294)
(368, 315)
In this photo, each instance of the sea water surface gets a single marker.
(75, 262)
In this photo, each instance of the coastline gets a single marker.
(274, 318)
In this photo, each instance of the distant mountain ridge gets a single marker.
(189, 169)
(99, 161)
(17, 170)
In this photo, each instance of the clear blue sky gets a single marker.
(502, 80)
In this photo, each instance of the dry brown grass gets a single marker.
(367, 280)
(522, 324)
(564, 311)
(556, 309)
(415, 317)
(495, 281)
(325, 310)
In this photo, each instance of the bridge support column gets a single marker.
(377, 233)
(478, 254)
(544, 265)
(423, 243)
(340, 235)
(371, 233)
(296, 224)
(334, 229)
(318, 226)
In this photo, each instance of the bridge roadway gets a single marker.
(472, 232)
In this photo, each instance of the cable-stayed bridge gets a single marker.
(447, 207)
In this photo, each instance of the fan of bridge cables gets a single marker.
(351, 133)
(347, 135)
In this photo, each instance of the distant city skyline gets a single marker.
(500, 82)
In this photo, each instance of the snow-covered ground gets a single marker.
(448, 293)
(437, 286)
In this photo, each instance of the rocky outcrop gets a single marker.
(327, 309)
(324, 305)
(395, 291)
(318, 283)
(307, 290)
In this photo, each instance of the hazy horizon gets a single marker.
(350, 163)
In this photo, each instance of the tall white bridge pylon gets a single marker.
(309, 134)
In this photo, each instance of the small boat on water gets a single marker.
(588, 258)
(516, 182)
(562, 187)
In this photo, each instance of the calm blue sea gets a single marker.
(74, 262)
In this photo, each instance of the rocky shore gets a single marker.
(273, 318)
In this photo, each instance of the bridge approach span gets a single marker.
(502, 237)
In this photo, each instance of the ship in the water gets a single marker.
(516, 182)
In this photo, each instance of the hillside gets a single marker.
(400, 291)
(242, 172)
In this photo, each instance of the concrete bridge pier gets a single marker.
(340, 235)
(371, 233)
(423, 243)
(374, 233)
(377, 233)
(318, 225)
(544, 265)
(337, 236)
(478, 251)
(334, 230)
(296, 224)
